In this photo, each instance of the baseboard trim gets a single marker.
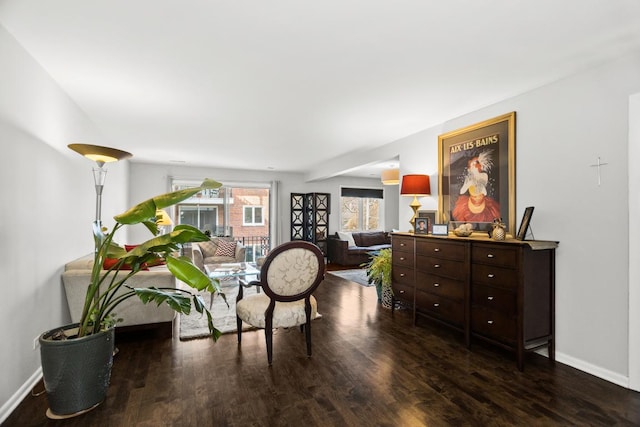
(594, 370)
(13, 402)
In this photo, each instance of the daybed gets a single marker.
(135, 314)
(353, 248)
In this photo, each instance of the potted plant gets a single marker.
(379, 272)
(76, 359)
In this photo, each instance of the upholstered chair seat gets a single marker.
(285, 315)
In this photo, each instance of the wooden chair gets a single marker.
(288, 277)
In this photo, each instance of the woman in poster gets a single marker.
(476, 206)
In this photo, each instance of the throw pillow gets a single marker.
(226, 248)
(110, 262)
(343, 235)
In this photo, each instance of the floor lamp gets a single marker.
(416, 186)
(100, 155)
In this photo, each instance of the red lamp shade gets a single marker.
(415, 185)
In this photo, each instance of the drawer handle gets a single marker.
(402, 292)
(490, 255)
(436, 305)
(436, 250)
(402, 258)
(402, 244)
(489, 322)
(436, 284)
(490, 298)
(436, 266)
(401, 274)
(491, 276)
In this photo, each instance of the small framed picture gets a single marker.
(422, 226)
(524, 225)
(431, 215)
(440, 229)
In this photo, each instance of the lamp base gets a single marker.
(415, 205)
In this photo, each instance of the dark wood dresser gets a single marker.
(501, 292)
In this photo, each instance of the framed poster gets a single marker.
(431, 216)
(476, 182)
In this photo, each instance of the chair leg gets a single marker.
(307, 334)
(239, 324)
(268, 334)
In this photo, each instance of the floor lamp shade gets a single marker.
(100, 155)
(415, 185)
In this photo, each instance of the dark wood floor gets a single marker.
(369, 368)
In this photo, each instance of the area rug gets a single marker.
(358, 275)
(224, 318)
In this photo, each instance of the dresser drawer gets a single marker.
(403, 292)
(401, 244)
(496, 276)
(494, 255)
(440, 307)
(496, 299)
(441, 249)
(443, 286)
(441, 267)
(493, 324)
(402, 259)
(402, 275)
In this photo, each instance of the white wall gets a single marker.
(48, 201)
(562, 129)
(148, 180)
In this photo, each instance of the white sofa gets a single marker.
(134, 313)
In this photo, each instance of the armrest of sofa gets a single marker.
(337, 250)
(241, 252)
(196, 256)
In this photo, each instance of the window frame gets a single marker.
(253, 215)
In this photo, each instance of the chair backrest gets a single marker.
(292, 271)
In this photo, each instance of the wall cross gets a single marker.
(598, 165)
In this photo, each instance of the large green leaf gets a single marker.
(146, 210)
(176, 300)
(184, 270)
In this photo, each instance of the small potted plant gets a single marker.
(379, 272)
(76, 359)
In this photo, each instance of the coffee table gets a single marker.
(244, 272)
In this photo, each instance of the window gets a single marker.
(239, 210)
(252, 215)
(361, 209)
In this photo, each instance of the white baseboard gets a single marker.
(11, 404)
(594, 370)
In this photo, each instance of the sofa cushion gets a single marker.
(208, 248)
(348, 236)
(370, 238)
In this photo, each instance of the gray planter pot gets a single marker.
(76, 372)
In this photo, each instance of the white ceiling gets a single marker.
(289, 84)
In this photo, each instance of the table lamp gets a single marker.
(415, 185)
(163, 220)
